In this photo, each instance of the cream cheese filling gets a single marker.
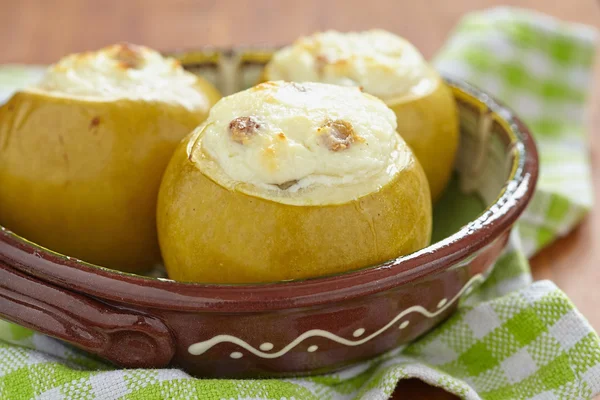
(294, 143)
(123, 71)
(383, 64)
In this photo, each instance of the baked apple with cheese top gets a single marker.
(392, 69)
(83, 151)
(288, 181)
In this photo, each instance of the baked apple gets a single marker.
(392, 69)
(83, 151)
(288, 181)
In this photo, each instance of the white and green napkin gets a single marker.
(510, 339)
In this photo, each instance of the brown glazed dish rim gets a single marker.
(183, 296)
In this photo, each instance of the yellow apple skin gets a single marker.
(211, 234)
(429, 124)
(81, 177)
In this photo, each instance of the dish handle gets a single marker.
(124, 337)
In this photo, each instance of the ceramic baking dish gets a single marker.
(291, 328)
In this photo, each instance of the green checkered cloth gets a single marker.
(510, 339)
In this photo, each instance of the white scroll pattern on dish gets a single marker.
(202, 347)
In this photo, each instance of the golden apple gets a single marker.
(288, 181)
(392, 69)
(83, 152)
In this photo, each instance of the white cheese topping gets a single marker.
(382, 63)
(123, 71)
(293, 142)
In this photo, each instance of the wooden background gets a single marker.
(40, 31)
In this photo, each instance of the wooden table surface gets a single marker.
(40, 31)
